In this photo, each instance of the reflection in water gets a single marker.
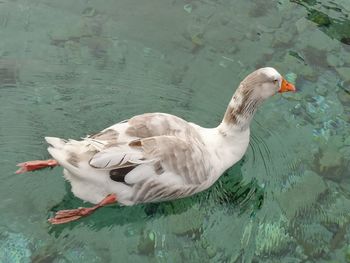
(230, 192)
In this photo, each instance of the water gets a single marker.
(70, 69)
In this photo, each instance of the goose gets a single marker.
(156, 157)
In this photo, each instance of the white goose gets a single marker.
(156, 156)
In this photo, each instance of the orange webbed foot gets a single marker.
(66, 216)
(35, 165)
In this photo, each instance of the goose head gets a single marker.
(251, 93)
(264, 83)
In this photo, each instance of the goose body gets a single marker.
(151, 157)
(156, 156)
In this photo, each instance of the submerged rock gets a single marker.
(344, 73)
(147, 243)
(329, 162)
(301, 194)
(322, 90)
(330, 159)
(55, 253)
(347, 254)
(186, 223)
(211, 251)
(188, 8)
(14, 248)
(337, 213)
(314, 239)
(80, 254)
(334, 60)
(273, 238)
(345, 152)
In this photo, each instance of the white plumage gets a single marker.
(157, 156)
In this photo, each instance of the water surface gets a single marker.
(68, 69)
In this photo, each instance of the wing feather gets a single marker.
(116, 157)
(185, 159)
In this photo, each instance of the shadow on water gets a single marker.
(336, 28)
(230, 192)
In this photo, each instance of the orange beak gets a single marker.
(286, 86)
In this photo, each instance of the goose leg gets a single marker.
(65, 216)
(35, 165)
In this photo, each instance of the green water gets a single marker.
(71, 68)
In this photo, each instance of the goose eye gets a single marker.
(275, 81)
